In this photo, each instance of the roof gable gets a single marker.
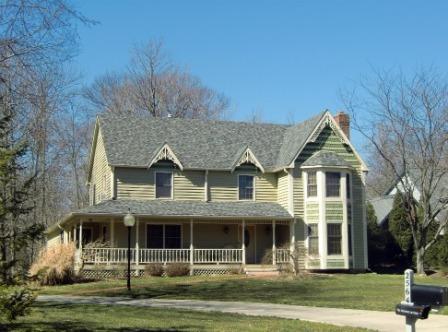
(165, 153)
(247, 157)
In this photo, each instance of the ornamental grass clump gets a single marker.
(55, 265)
(177, 270)
(154, 270)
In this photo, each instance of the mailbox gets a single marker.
(429, 295)
(413, 311)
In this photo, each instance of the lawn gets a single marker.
(49, 318)
(354, 291)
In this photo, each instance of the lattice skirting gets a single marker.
(109, 273)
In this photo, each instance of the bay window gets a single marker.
(333, 184)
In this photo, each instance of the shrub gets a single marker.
(154, 270)
(54, 266)
(267, 257)
(15, 302)
(177, 270)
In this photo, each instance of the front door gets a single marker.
(249, 237)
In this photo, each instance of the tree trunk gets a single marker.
(419, 253)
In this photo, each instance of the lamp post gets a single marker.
(129, 222)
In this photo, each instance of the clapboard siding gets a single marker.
(135, 183)
(100, 182)
(283, 189)
(223, 186)
(266, 187)
(189, 185)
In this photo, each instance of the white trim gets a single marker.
(290, 191)
(166, 153)
(206, 186)
(247, 157)
(327, 167)
(253, 187)
(155, 184)
(163, 232)
(321, 194)
(328, 117)
(344, 229)
(113, 184)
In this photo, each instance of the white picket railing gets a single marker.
(218, 256)
(164, 256)
(282, 255)
(201, 256)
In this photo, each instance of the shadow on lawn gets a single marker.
(80, 324)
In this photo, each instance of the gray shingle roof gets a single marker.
(326, 158)
(172, 208)
(199, 144)
(382, 206)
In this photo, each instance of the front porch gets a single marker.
(102, 242)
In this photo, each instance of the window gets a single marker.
(245, 187)
(334, 239)
(163, 185)
(312, 184)
(333, 181)
(162, 236)
(347, 186)
(313, 239)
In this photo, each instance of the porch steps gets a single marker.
(261, 270)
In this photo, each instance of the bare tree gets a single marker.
(154, 86)
(406, 122)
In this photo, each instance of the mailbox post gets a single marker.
(418, 300)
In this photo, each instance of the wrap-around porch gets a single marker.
(103, 241)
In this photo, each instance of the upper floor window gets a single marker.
(333, 184)
(312, 184)
(164, 185)
(245, 187)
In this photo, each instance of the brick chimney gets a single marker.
(343, 120)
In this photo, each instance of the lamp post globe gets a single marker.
(129, 222)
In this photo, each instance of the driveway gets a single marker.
(375, 320)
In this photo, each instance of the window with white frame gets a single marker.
(164, 184)
(313, 239)
(333, 184)
(312, 184)
(163, 236)
(334, 241)
(245, 187)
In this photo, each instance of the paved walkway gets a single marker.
(376, 320)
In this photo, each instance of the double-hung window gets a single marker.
(164, 184)
(312, 184)
(313, 239)
(245, 187)
(333, 184)
(163, 236)
(334, 241)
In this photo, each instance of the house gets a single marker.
(220, 194)
(383, 205)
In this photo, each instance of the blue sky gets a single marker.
(277, 57)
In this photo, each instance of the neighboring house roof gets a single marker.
(184, 208)
(326, 159)
(204, 144)
(382, 206)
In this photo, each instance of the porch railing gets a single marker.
(144, 256)
(282, 255)
(218, 256)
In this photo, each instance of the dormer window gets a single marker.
(164, 185)
(246, 187)
(333, 184)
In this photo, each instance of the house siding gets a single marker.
(328, 140)
(266, 187)
(101, 173)
(283, 189)
(189, 185)
(134, 183)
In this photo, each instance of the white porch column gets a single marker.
(243, 240)
(112, 233)
(80, 236)
(74, 234)
(137, 245)
(191, 243)
(292, 241)
(274, 249)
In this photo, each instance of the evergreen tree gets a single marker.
(400, 230)
(15, 234)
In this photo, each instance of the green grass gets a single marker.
(354, 291)
(49, 318)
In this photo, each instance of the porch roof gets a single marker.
(184, 209)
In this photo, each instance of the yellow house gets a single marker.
(221, 194)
